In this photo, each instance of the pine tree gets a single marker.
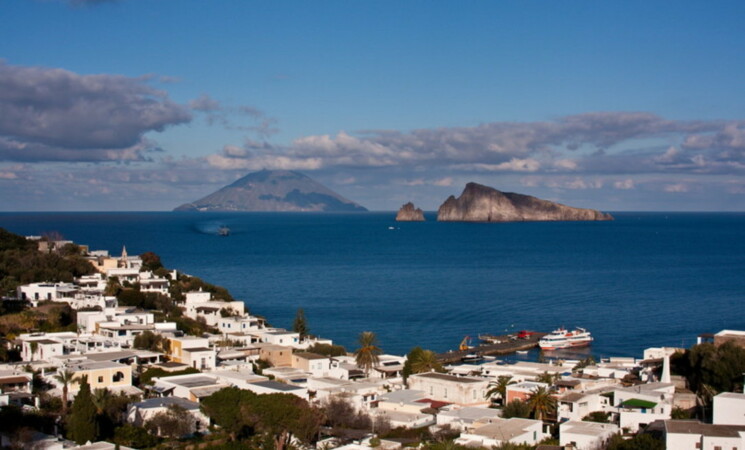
(83, 426)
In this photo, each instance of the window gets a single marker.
(100, 379)
(119, 376)
(445, 395)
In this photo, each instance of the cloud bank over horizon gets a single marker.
(93, 137)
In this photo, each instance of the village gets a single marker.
(177, 382)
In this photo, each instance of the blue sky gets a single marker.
(144, 105)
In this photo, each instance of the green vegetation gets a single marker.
(300, 325)
(597, 416)
(541, 403)
(327, 349)
(186, 283)
(367, 355)
(589, 361)
(173, 423)
(82, 425)
(22, 263)
(498, 388)
(275, 418)
(638, 442)
(516, 408)
(419, 361)
(147, 340)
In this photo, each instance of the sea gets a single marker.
(643, 280)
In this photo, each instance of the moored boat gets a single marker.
(561, 338)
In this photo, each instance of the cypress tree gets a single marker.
(83, 426)
(300, 325)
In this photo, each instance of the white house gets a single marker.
(729, 408)
(43, 346)
(451, 389)
(586, 435)
(642, 404)
(141, 412)
(576, 405)
(694, 435)
(514, 430)
(467, 418)
(192, 387)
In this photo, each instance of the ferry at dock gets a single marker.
(561, 338)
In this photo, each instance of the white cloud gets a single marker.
(624, 184)
(677, 187)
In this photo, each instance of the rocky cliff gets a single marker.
(480, 203)
(273, 190)
(410, 213)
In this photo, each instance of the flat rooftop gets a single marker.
(451, 378)
(277, 386)
(193, 382)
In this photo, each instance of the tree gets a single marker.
(175, 422)
(65, 378)
(147, 340)
(340, 413)
(516, 408)
(83, 426)
(135, 437)
(419, 361)
(597, 416)
(541, 403)
(589, 361)
(151, 261)
(228, 409)
(548, 378)
(719, 367)
(498, 388)
(327, 349)
(367, 355)
(638, 442)
(300, 325)
(284, 416)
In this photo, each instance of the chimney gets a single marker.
(666, 369)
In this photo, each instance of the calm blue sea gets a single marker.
(645, 279)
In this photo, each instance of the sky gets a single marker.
(141, 105)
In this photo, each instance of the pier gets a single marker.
(507, 344)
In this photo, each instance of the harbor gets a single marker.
(494, 345)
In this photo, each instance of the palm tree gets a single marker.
(548, 378)
(499, 388)
(425, 361)
(367, 355)
(65, 378)
(542, 403)
(101, 399)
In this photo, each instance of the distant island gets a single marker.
(276, 191)
(479, 203)
(410, 213)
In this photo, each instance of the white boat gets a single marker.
(561, 338)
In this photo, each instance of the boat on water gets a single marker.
(223, 231)
(561, 338)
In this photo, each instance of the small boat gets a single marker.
(472, 358)
(223, 231)
(522, 352)
(561, 338)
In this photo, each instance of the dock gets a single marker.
(507, 344)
